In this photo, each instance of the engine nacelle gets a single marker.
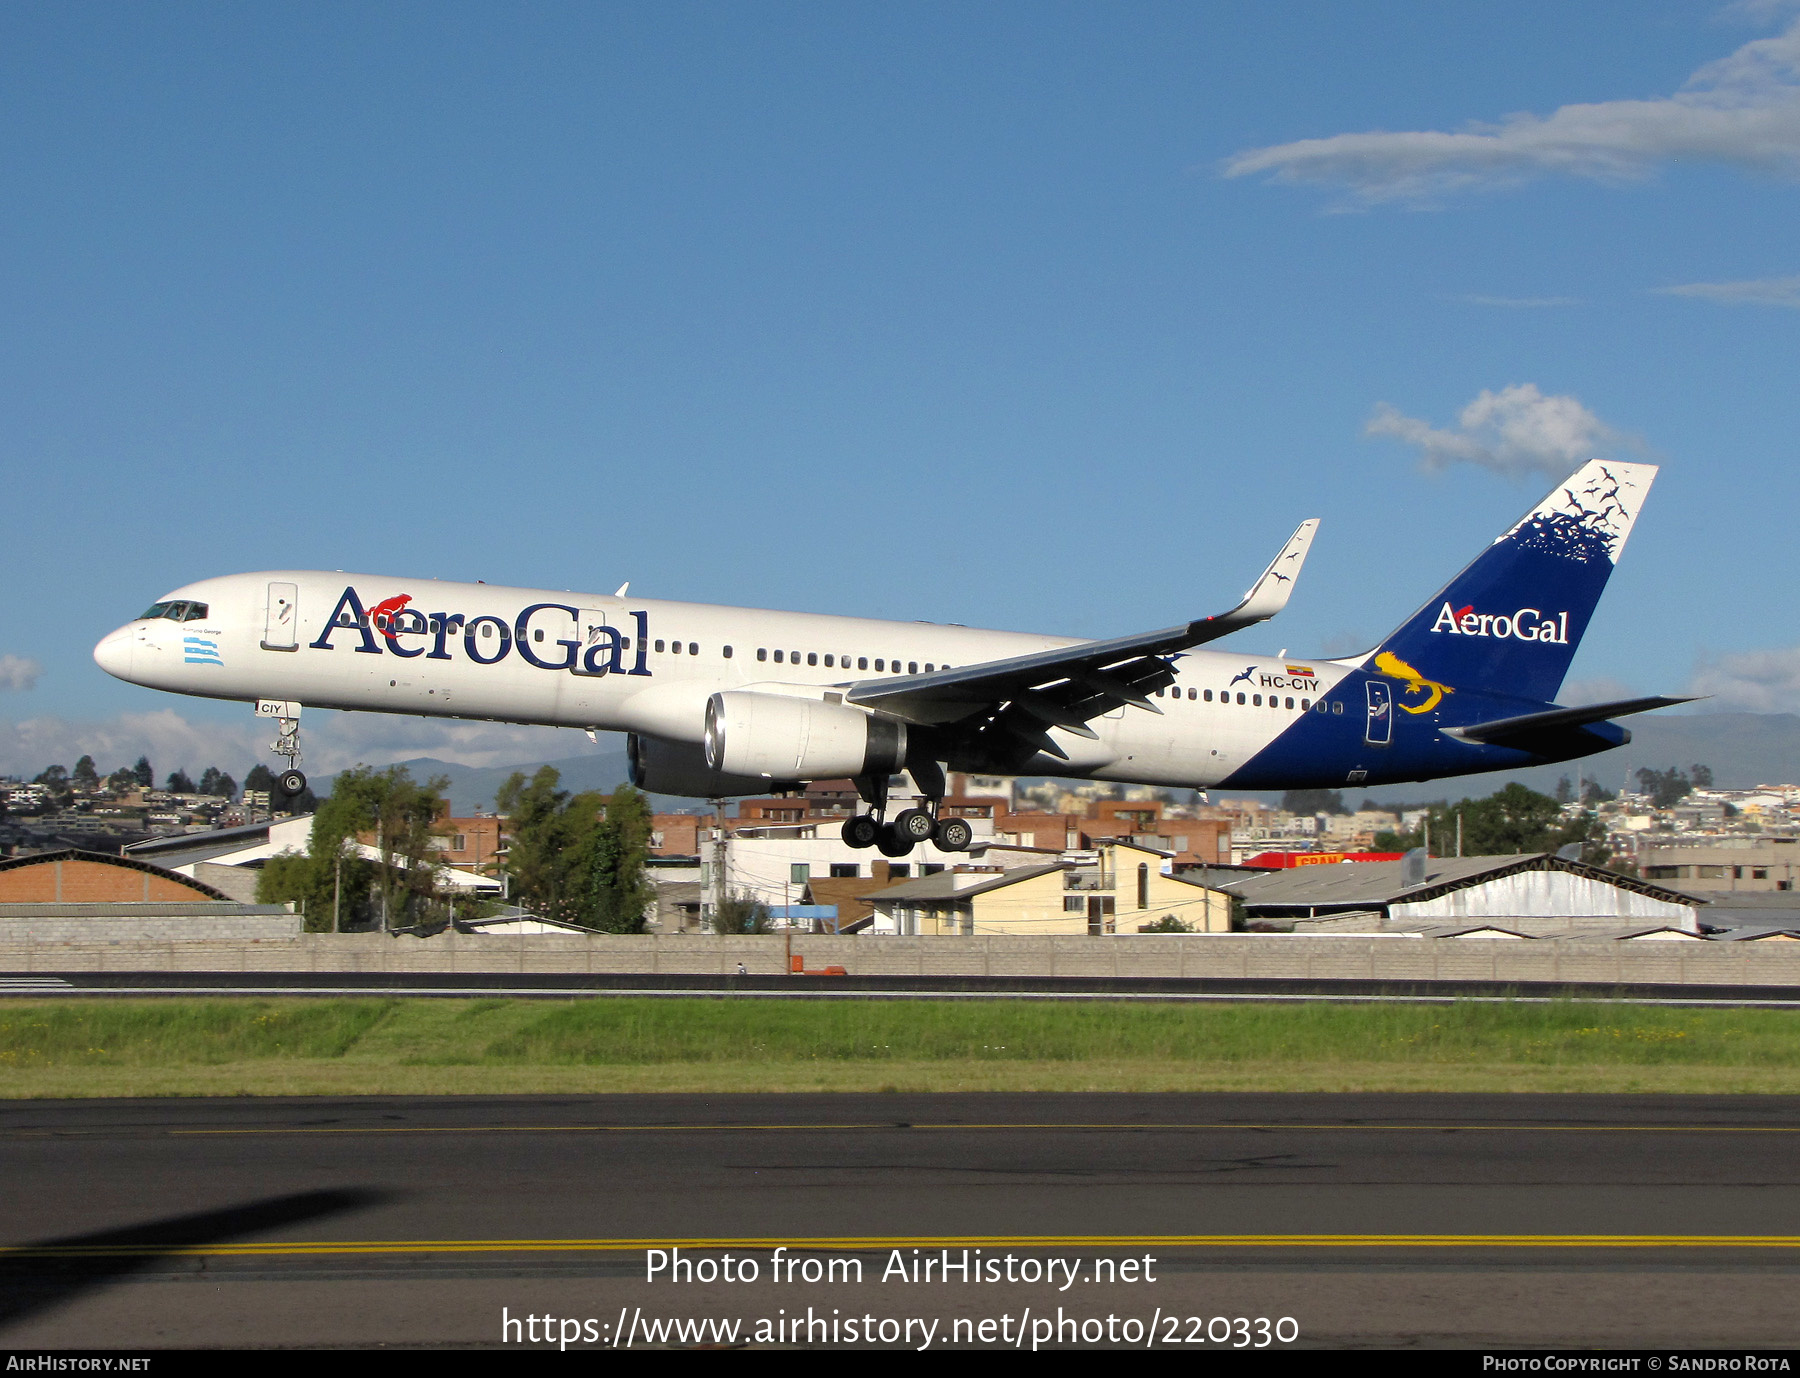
(782, 738)
(680, 768)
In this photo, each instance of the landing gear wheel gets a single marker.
(860, 831)
(292, 782)
(953, 835)
(892, 842)
(915, 825)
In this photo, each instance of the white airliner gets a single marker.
(722, 701)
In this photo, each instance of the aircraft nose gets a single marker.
(113, 654)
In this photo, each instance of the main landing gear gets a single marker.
(910, 827)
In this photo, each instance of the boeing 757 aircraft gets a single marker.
(723, 701)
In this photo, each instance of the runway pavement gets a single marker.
(1362, 1219)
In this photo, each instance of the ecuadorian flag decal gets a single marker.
(201, 650)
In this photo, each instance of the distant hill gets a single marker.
(1743, 749)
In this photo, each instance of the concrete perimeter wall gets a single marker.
(1196, 955)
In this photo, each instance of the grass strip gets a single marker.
(270, 1046)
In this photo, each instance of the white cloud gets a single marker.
(1742, 111)
(1754, 681)
(331, 740)
(1515, 431)
(1753, 292)
(19, 672)
(1758, 11)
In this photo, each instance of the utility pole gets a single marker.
(1459, 832)
(337, 886)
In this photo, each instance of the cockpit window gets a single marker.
(177, 610)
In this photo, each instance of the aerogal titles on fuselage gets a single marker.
(601, 652)
(1527, 624)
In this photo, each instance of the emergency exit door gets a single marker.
(281, 624)
(1381, 714)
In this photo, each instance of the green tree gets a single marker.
(617, 849)
(1592, 793)
(216, 782)
(578, 858)
(121, 781)
(741, 913)
(1565, 792)
(1666, 788)
(260, 777)
(145, 776)
(1168, 923)
(1311, 801)
(1702, 776)
(85, 776)
(179, 783)
(398, 888)
(1512, 819)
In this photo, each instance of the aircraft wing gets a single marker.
(1068, 686)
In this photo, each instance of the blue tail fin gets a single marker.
(1510, 622)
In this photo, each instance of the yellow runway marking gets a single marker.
(777, 1128)
(857, 1244)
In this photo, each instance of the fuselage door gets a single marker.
(1381, 714)
(598, 642)
(281, 625)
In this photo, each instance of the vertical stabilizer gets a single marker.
(1510, 622)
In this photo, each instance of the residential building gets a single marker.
(1122, 891)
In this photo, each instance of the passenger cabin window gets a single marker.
(912, 667)
(693, 648)
(1208, 695)
(878, 663)
(762, 652)
(728, 653)
(862, 663)
(828, 662)
(1240, 698)
(812, 657)
(778, 659)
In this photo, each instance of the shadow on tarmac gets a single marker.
(45, 1273)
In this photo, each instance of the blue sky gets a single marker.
(1054, 317)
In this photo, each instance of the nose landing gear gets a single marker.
(291, 781)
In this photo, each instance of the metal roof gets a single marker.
(110, 859)
(942, 886)
(175, 842)
(1369, 884)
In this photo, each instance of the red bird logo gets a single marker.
(382, 615)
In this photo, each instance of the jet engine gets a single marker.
(782, 738)
(680, 768)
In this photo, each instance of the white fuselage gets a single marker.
(534, 656)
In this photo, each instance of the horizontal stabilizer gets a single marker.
(1499, 731)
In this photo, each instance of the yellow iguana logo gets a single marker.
(1390, 664)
